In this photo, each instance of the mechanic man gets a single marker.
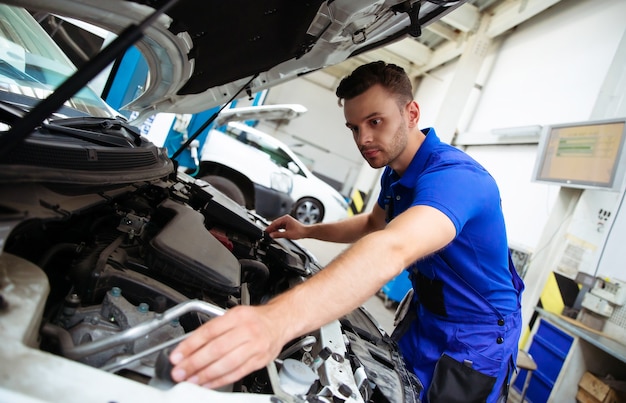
(439, 216)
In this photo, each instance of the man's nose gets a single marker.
(364, 137)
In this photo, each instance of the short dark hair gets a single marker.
(390, 76)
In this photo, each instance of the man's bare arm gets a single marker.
(348, 230)
(227, 348)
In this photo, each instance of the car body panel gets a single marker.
(260, 112)
(335, 205)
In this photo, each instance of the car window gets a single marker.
(32, 66)
(276, 154)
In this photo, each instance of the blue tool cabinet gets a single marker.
(549, 348)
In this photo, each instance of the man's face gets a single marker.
(378, 126)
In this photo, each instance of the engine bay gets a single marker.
(126, 273)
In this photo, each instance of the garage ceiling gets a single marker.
(446, 39)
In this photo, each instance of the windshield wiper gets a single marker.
(10, 113)
(104, 132)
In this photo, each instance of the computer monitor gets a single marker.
(587, 155)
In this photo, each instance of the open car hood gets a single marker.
(201, 54)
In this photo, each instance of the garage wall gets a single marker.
(430, 93)
(551, 68)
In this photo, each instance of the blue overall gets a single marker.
(463, 342)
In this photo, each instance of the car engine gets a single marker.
(127, 271)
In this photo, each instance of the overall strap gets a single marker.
(434, 286)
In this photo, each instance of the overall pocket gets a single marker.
(454, 381)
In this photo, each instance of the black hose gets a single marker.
(256, 274)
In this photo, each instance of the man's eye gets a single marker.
(375, 122)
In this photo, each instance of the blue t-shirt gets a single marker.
(474, 267)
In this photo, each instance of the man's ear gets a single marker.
(413, 113)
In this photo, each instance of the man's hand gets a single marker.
(227, 348)
(286, 227)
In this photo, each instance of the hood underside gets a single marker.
(201, 54)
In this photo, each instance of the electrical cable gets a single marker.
(548, 243)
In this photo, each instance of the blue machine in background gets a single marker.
(127, 81)
(176, 138)
(397, 287)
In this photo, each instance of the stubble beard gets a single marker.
(397, 145)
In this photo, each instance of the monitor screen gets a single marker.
(586, 155)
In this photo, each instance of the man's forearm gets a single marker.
(346, 283)
(348, 230)
(361, 270)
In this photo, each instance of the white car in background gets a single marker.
(314, 200)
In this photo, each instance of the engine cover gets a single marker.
(186, 251)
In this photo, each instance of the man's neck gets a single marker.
(414, 142)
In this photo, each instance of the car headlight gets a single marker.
(281, 182)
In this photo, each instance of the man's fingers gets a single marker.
(285, 227)
(207, 363)
(278, 234)
(223, 360)
(231, 367)
(276, 225)
(197, 339)
(225, 349)
(200, 348)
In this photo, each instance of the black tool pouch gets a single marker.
(454, 381)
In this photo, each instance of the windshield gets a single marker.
(32, 66)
